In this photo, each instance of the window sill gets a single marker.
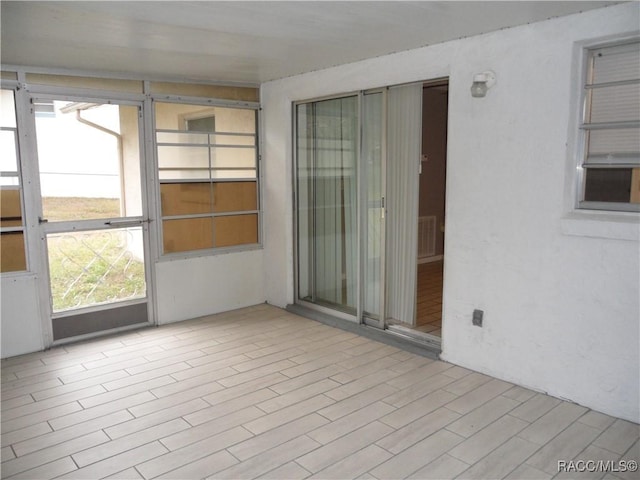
(212, 252)
(597, 224)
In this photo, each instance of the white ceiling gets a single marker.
(244, 42)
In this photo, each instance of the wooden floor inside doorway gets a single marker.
(429, 303)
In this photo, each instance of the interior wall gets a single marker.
(434, 159)
(194, 287)
(20, 315)
(559, 289)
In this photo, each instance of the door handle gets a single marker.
(125, 223)
(42, 220)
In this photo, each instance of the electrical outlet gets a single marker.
(477, 318)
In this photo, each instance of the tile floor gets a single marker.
(262, 393)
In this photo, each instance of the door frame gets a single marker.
(437, 82)
(359, 317)
(39, 247)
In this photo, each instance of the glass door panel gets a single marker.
(327, 184)
(92, 222)
(373, 188)
(347, 258)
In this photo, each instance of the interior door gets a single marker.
(93, 215)
(373, 162)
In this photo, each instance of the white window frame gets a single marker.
(584, 129)
(577, 221)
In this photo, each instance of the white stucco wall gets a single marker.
(561, 299)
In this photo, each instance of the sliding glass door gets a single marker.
(327, 187)
(357, 160)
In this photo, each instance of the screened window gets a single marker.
(208, 171)
(611, 126)
(12, 247)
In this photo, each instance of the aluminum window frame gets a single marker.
(207, 102)
(584, 128)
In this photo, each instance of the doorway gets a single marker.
(93, 220)
(431, 210)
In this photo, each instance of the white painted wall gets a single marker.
(561, 297)
(20, 315)
(194, 287)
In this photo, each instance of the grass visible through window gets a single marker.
(94, 267)
(76, 208)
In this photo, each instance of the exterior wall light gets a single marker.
(482, 82)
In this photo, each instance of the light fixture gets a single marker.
(482, 82)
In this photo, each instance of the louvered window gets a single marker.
(611, 126)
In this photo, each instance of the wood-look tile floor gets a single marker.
(429, 301)
(263, 393)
